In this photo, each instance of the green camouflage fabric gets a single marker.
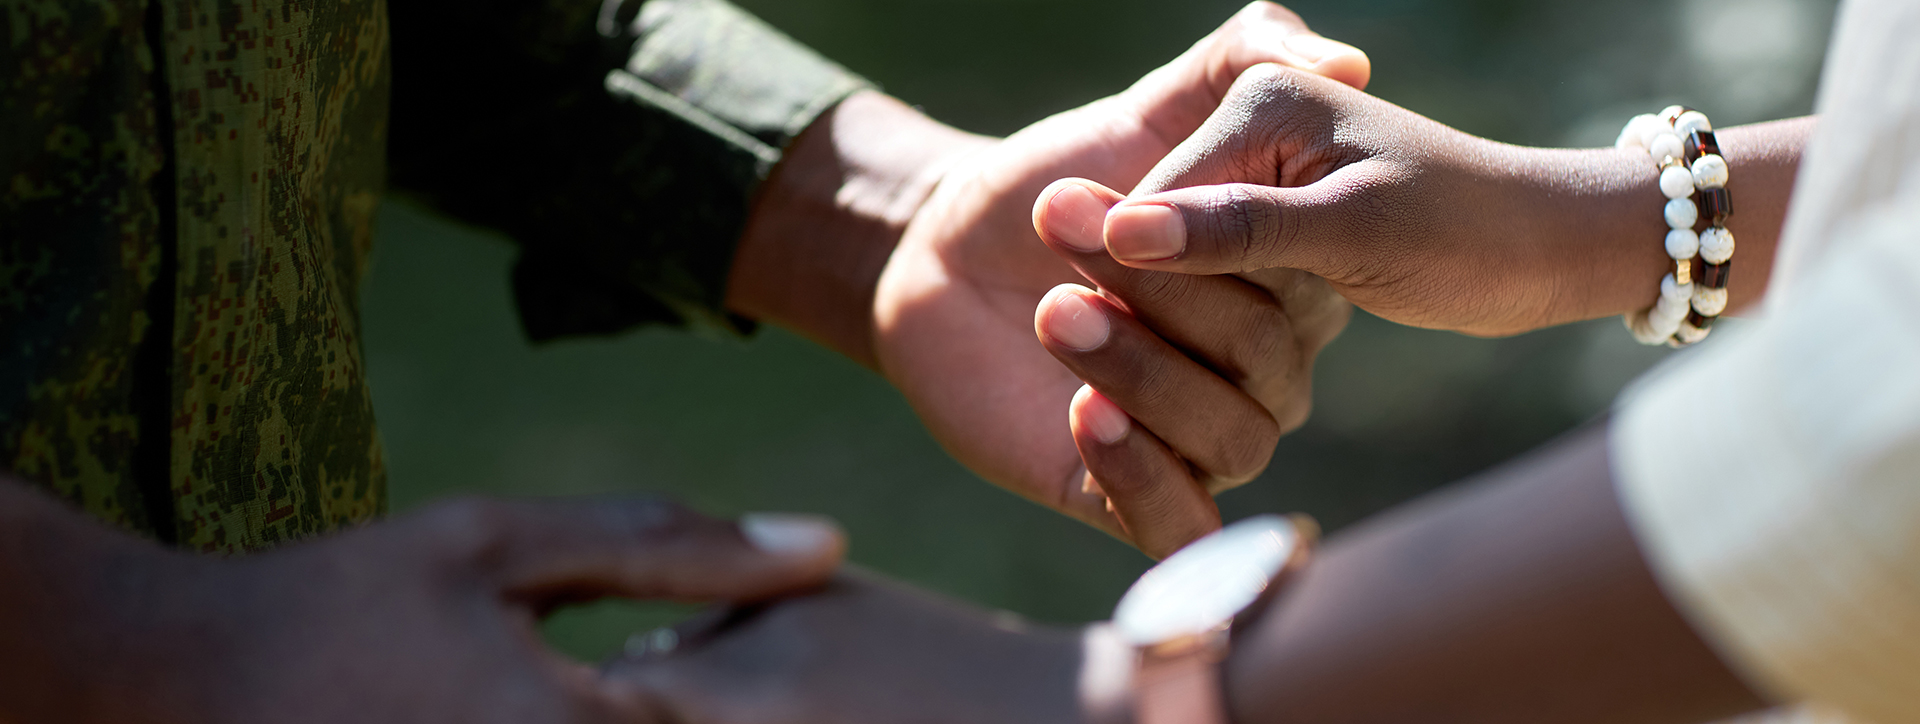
(190, 189)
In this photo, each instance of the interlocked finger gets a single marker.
(1239, 329)
(1224, 433)
(1151, 490)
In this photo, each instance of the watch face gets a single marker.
(1207, 583)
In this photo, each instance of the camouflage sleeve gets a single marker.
(619, 143)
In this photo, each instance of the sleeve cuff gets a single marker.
(716, 96)
(1770, 478)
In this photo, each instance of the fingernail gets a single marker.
(1100, 416)
(1074, 215)
(1147, 232)
(1075, 323)
(790, 534)
(1313, 48)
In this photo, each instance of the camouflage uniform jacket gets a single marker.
(190, 188)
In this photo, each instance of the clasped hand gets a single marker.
(1206, 396)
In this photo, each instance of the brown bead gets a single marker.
(1700, 321)
(1715, 206)
(1715, 275)
(1700, 143)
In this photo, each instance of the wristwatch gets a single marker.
(1179, 615)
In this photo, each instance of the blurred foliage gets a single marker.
(775, 423)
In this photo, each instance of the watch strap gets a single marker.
(1180, 688)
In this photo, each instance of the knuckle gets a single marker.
(474, 528)
(1248, 452)
(1266, 346)
(1274, 93)
(1296, 410)
(652, 518)
(1160, 290)
(1157, 390)
(1258, 87)
(1248, 223)
(1263, 10)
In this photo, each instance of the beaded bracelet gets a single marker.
(1693, 176)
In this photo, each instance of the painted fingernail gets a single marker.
(1077, 324)
(790, 534)
(1313, 48)
(1074, 216)
(1100, 416)
(1147, 232)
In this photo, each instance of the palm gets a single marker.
(953, 315)
(955, 305)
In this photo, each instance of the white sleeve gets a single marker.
(1773, 478)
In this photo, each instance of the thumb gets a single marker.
(1176, 98)
(550, 553)
(1232, 228)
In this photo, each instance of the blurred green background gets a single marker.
(775, 423)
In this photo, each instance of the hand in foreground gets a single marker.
(429, 618)
(1523, 597)
(953, 311)
(862, 650)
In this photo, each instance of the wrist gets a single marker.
(1596, 230)
(829, 216)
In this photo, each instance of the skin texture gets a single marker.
(862, 650)
(1425, 225)
(944, 222)
(1310, 191)
(1205, 372)
(1520, 597)
(427, 618)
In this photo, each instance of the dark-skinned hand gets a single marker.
(432, 617)
(861, 650)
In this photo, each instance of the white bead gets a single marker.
(1710, 302)
(1716, 245)
(1670, 308)
(1665, 146)
(1676, 182)
(1673, 290)
(1671, 112)
(1632, 133)
(1691, 121)
(1665, 326)
(1682, 244)
(1642, 329)
(1644, 127)
(1689, 334)
(1628, 139)
(1681, 213)
(1710, 171)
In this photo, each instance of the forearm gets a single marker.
(78, 612)
(826, 221)
(1521, 599)
(1600, 236)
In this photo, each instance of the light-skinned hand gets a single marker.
(953, 314)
